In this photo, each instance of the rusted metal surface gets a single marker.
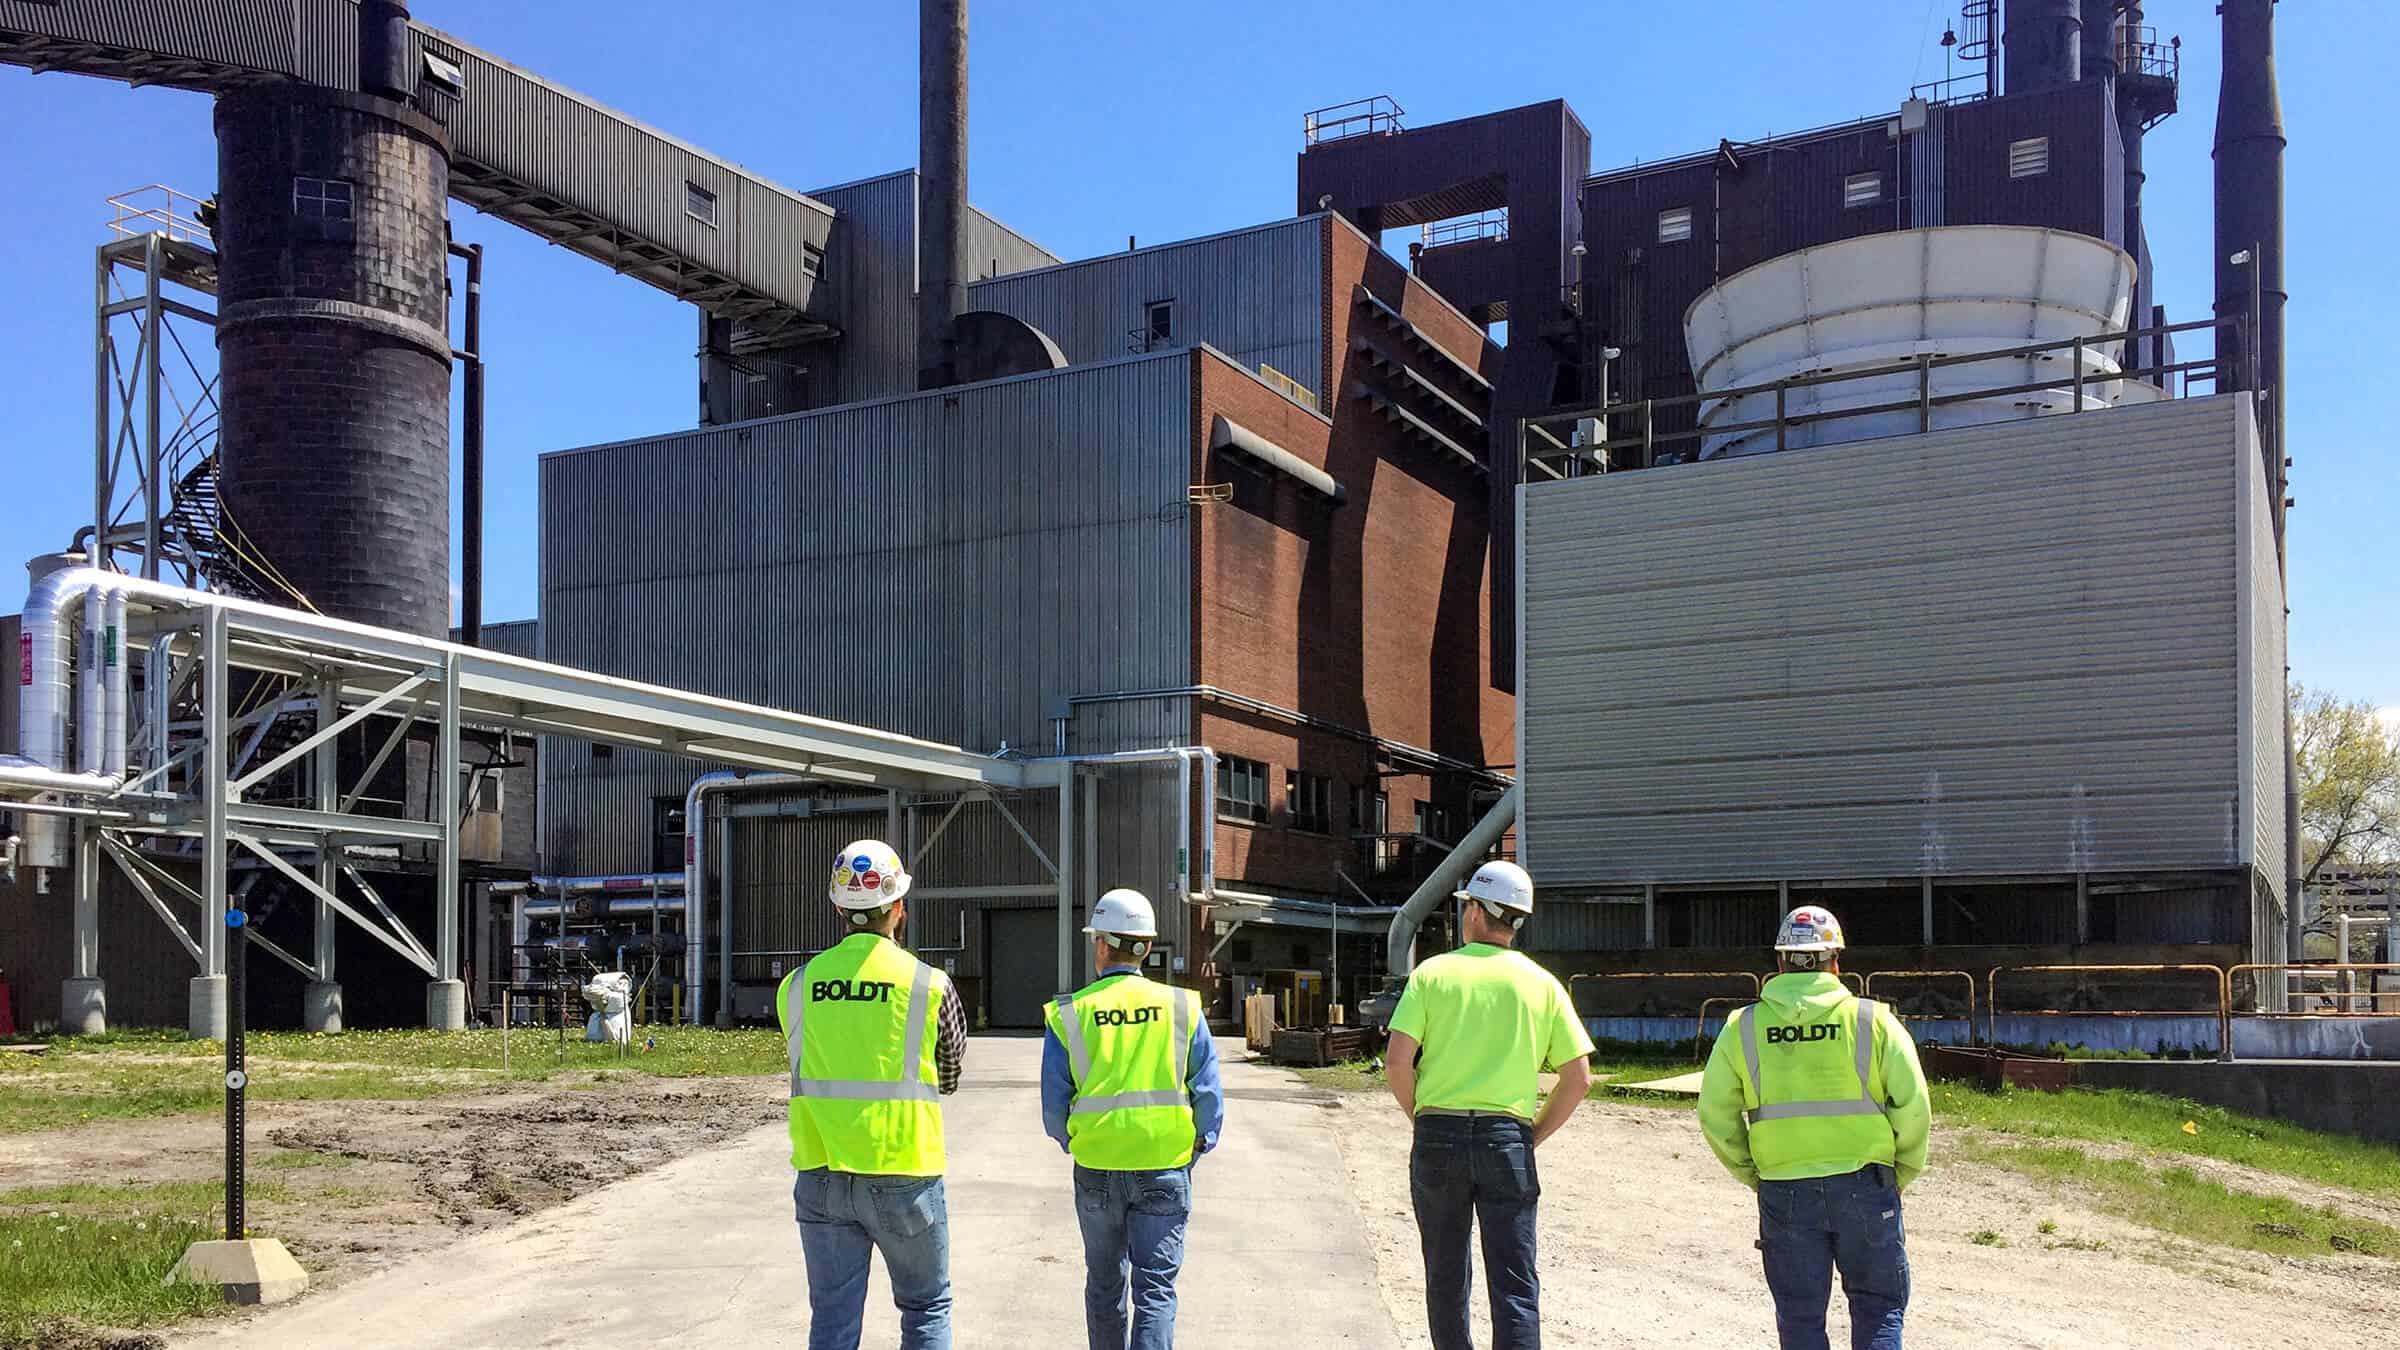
(1756, 984)
(1991, 987)
(1960, 975)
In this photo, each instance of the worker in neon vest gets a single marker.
(1474, 1030)
(1813, 1097)
(1130, 1088)
(875, 1037)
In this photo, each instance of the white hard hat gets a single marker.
(1123, 913)
(1809, 929)
(867, 875)
(1499, 883)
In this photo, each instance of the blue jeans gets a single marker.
(845, 1218)
(1809, 1229)
(1477, 1171)
(1132, 1235)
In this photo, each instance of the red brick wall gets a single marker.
(1372, 614)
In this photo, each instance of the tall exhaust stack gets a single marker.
(2249, 155)
(941, 186)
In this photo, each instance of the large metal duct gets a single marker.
(941, 186)
(2249, 207)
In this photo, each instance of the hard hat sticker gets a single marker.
(869, 880)
(862, 863)
(841, 876)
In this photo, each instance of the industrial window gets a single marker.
(1161, 321)
(1311, 799)
(1242, 789)
(1862, 189)
(321, 198)
(812, 260)
(2029, 158)
(1370, 811)
(1436, 822)
(666, 834)
(700, 204)
(1675, 225)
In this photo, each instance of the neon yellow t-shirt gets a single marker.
(1489, 1020)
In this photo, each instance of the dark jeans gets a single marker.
(1809, 1229)
(1132, 1242)
(1477, 1171)
(845, 1218)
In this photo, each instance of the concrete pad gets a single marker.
(1686, 1084)
(253, 1270)
(704, 1249)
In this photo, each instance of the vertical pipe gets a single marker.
(114, 686)
(724, 918)
(470, 510)
(215, 681)
(1925, 907)
(445, 768)
(942, 185)
(91, 709)
(1066, 877)
(86, 961)
(1090, 815)
(237, 1077)
(325, 773)
(1649, 916)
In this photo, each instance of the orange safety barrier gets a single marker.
(1873, 976)
(1700, 1028)
(2222, 1012)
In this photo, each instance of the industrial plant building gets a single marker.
(1280, 567)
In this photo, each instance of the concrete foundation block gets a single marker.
(446, 1005)
(251, 1271)
(321, 1006)
(83, 1007)
(207, 1016)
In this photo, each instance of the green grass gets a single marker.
(284, 1160)
(132, 1075)
(2175, 1199)
(2140, 1120)
(99, 1255)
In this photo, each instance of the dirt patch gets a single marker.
(1646, 1242)
(410, 1175)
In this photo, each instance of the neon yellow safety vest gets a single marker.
(1821, 1098)
(859, 1024)
(1129, 1046)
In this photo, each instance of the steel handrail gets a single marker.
(2222, 1012)
(1873, 976)
(1920, 366)
(2307, 969)
(1757, 985)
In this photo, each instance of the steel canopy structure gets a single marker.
(179, 775)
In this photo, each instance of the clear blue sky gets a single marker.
(1096, 120)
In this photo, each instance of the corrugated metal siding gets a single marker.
(2005, 649)
(2265, 654)
(1258, 295)
(921, 564)
(1582, 926)
(252, 34)
(2084, 190)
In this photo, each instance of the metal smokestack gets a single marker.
(941, 185)
(2249, 155)
(2099, 41)
(383, 48)
(2041, 44)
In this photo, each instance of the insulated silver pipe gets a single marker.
(1400, 948)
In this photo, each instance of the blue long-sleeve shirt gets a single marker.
(1201, 1079)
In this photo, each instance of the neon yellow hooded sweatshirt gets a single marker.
(1806, 1040)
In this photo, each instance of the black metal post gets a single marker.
(237, 1077)
(470, 509)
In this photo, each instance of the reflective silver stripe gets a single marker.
(1749, 1016)
(843, 1090)
(910, 1087)
(1121, 1101)
(795, 1001)
(1183, 1030)
(919, 989)
(1070, 1030)
(1863, 1052)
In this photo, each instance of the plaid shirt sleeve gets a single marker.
(950, 1040)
